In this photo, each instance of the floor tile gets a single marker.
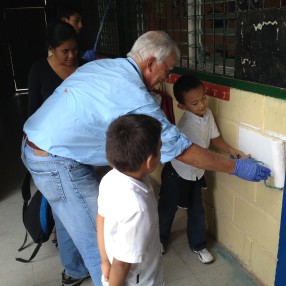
(228, 274)
(174, 267)
(189, 281)
(15, 273)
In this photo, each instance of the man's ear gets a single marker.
(150, 63)
(181, 106)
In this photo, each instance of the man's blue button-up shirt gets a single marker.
(73, 121)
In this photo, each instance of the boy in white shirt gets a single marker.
(182, 183)
(127, 220)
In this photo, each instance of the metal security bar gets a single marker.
(217, 38)
(205, 30)
(108, 42)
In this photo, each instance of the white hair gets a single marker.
(154, 43)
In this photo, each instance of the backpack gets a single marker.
(37, 218)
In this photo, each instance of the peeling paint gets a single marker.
(259, 26)
(276, 135)
(241, 31)
(247, 61)
(243, 61)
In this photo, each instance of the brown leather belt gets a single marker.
(35, 147)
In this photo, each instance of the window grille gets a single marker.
(109, 41)
(205, 30)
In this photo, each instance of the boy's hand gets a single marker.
(248, 170)
(237, 154)
(105, 268)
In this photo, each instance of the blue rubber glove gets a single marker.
(89, 55)
(248, 170)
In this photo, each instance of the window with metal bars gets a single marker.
(205, 30)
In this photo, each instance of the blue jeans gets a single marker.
(171, 191)
(71, 189)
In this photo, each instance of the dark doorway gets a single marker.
(25, 29)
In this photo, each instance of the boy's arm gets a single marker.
(105, 264)
(118, 272)
(221, 145)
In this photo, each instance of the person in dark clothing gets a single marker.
(48, 73)
(72, 15)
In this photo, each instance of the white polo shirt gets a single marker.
(131, 228)
(200, 130)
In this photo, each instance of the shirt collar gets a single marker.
(197, 118)
(135, 66)
(143, 185)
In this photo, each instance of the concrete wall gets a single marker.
(244, 216)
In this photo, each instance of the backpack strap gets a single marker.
(33, 254)
(26, 194)
(26, 188)
(23, 245)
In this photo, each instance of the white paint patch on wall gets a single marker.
(255, 144)
(267, 150)
(249, 125)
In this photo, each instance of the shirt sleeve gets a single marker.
(127, 230)
(174, 142)
(130, 242)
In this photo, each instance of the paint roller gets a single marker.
(278, 163)
(267, 151)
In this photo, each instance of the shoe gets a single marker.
(163, 248)
(204, 255)
(70, 281)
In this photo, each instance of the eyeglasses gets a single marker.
(167, 69)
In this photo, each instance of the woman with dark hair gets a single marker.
(47, 74)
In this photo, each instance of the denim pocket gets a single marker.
(83, 178)
(50, 185)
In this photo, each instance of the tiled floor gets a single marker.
(182, 268)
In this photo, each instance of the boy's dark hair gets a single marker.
(131, 139)
(68, 9)
(60, 32)
(183, 85)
